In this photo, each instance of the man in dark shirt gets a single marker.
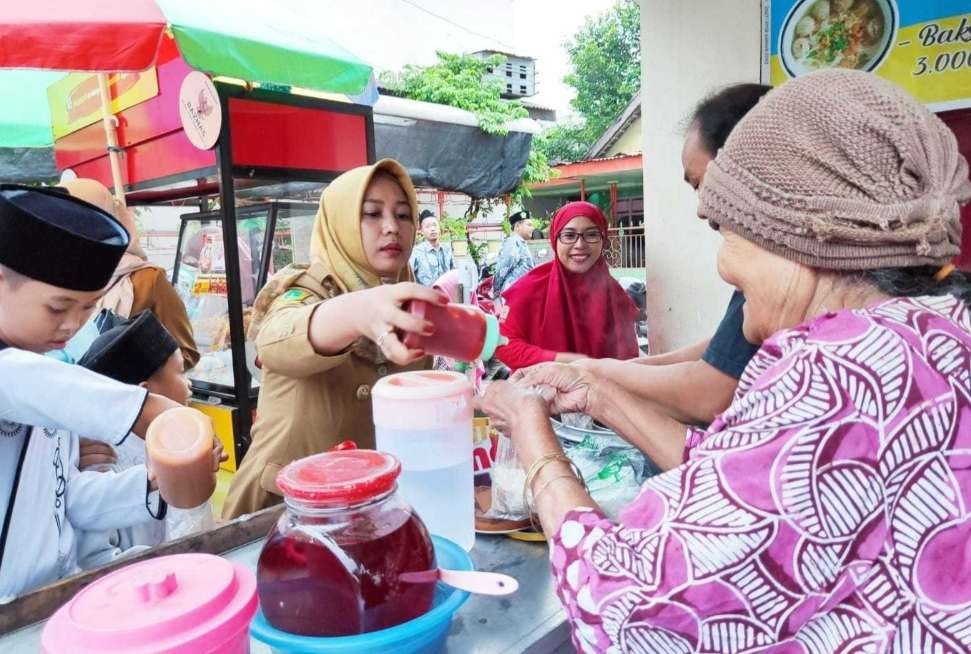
(712, 122)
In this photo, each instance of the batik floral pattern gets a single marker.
(827, 510)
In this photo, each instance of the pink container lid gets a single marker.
(421, 385)
(422, 399)
(173, 604)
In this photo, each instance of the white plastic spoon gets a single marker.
(472, 581)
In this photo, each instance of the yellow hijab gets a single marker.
(336, 241)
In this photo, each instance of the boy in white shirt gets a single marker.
(57, 255)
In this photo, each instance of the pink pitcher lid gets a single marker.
(173, 604)
(421, 385)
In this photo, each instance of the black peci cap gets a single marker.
(131, 352)
(518, 216)
(54, 238)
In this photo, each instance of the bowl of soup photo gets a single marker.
(821, 34)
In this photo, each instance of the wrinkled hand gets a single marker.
(96, 455)
(566, 386)
(505, 402)
(383, 314)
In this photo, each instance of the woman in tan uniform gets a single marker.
(325, 332)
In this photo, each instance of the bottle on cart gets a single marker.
(179, 448)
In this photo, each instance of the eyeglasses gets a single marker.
(569, 237)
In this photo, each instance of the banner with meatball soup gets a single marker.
(922, 45)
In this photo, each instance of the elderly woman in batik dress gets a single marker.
(829, 508)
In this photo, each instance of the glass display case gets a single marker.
(270, 236)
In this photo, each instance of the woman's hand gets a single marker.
(566, 386)
(384, 314)
(374, 313)
(95, 455)
(521, 412)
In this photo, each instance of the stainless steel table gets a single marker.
(532, 620)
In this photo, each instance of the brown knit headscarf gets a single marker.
(841, 170)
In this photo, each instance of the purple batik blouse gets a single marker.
(827, 510)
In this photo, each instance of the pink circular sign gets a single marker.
(199, 110)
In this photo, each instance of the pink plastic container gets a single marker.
(181, 604)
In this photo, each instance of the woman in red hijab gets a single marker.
(570, 308)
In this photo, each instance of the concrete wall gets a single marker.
(689, 47)
(630, 142)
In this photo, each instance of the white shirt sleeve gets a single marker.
(107, 500)
(42, 392)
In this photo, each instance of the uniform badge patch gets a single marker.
(295, 296)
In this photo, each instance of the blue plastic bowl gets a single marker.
(423, 635)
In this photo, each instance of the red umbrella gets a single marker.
(242, 39)
(93, 35)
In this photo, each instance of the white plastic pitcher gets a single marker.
(425, 419)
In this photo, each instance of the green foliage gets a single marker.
(453, 229)
(478, 252)
(456, 228)
(537, 171)
(605, 56)
(565, 142)
(459, 81)
(606, 59)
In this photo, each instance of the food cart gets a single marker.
(263, 138)
(269, 236)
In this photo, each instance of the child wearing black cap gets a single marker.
(57, 254)
(142, 352)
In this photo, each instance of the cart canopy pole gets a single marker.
(110, 121)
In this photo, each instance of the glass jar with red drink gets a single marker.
(462, 332)
(331, 565)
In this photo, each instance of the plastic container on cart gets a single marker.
(179, 446)
(424, 418)
(423, 635)
(180, 604)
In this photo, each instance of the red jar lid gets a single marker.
(339, 478)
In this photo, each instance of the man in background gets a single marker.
(515, 259)
(431, 258)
